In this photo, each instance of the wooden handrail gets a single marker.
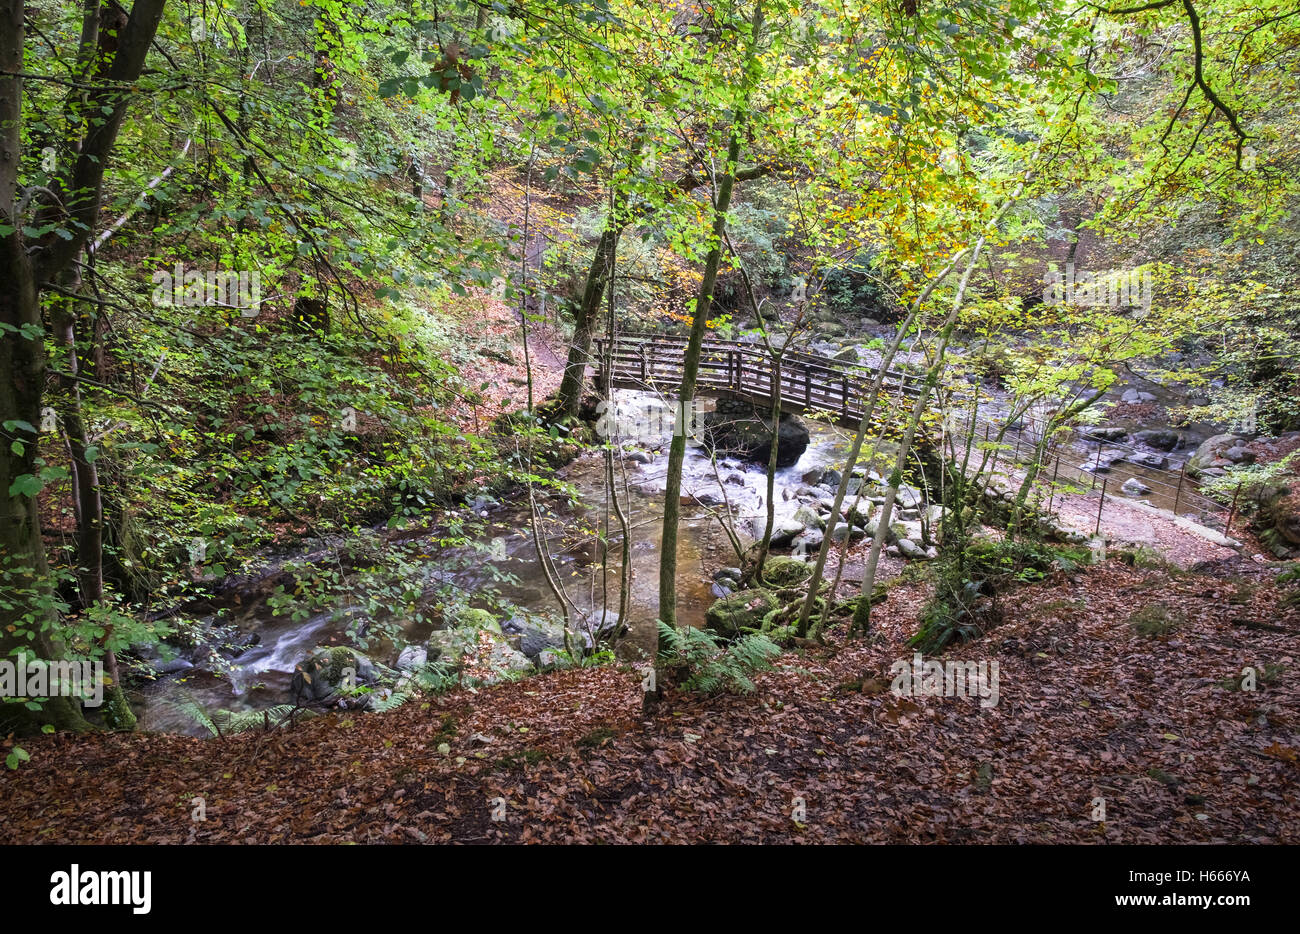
(746, 369)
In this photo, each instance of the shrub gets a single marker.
(712, 668)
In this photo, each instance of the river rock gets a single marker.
(853, 533)
(504, 661)
(412, 657)
(1104, 433)
(743, 610)
(910, 530)
(1212, 454)
(785, 572)
(808, 518)
(1281, 513)
(908, 497)
(808, 541)
(1135, 487)
(324, 676)
(172, 666)
(1238, 454)
(1154, 461)
(1162, 439)
(911, 550)
(1103, 464)
(860, 514)
(540, 634)
(598, 626)
(737, 428)
(784, 530)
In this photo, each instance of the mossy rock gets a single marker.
(785, 572)
(740, 611)
(476, 619)
(323, 673)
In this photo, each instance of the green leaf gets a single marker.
(25, 485)
(16, 756)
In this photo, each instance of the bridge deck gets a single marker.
(807, 382)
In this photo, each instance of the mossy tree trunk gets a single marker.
(70, 210)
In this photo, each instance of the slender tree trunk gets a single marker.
(862, 612)
(90, 502)
(585, 318)
(868, 412)
(773, 451)
(686, 399)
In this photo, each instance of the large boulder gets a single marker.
(743, 610)
(475, 638)
(597, 626)
(534, 635)
(808, 541)
(412, 657)
(1281, 513)
(911, 550)
(1104, 433)
(785, 572)
(807, 517)
(1162, 439)
(738, 429)
(1212, 455)
(784, 530)
(330, 675)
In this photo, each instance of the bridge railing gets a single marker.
(807, 380)
(656, 361)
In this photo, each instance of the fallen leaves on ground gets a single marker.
(1088, 710)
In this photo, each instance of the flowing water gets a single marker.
(260, 676)
(508, 565)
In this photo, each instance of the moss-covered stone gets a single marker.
(739, 611)
(784, 572)
(470, 618)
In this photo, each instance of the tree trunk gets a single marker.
(862, 612)
(585, 319)
(686, 398)
(24, 268)
(90, 502)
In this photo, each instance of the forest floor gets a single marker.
(1087, 709)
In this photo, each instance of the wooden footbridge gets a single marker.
(807, 383)
(811, 383)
